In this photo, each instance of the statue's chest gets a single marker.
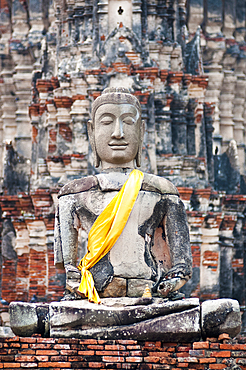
(94, 203)
(127, 254)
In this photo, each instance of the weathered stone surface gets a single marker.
(29, 318)
(135, 318)
(136, 287)
(159, 320)
(6, 332)
(220, 316)
(116, 288)
(23, 318)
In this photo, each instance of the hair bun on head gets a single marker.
(115, 95)
(109, 90)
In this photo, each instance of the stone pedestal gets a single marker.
(127, 318)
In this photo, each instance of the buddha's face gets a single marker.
(117, 134)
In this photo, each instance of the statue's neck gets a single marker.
(117, 169)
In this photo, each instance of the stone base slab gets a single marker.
(127, 318)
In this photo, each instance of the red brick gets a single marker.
(42, 358)
(7, 358)
(115, 347)
(217, 366)
(28, 352)
(68, 352)
(134, 359)
(55, 364)
(96, 347)
(46, 340)
(86, 353)
(151, 359)
(188, 359)
(112, 353)
(207, 360)
(113, 359)
(201, 345)
(161, 354)
(224, 336)
(197, 353)
(11, 365)
(61, 346)
(170, 349)
(235, 347)
(28, 340)
(12, 351)
(58, 358)
(183, 349)
(12, 339)
(127, 341)
(21, 358)
(137, 353)
(96, 365)
(101, 341)
(182, 354)
(238, 354)
(41, 346)
(88, 341)
(79, 365)
(182, 364)
(214, 345)
(221, 354)
(133, 347)
(78, 347)
(153, 344)
(49, 352)
(75, 358)
(168, 360)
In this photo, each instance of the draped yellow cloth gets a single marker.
(106, 230)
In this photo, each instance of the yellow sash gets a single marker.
(106, 230)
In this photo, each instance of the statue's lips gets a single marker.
(118, 146)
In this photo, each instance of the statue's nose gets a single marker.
(118, 132)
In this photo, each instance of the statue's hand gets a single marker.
(167, 286)
(73, 276)
(172, 282)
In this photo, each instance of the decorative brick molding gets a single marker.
(60, 353)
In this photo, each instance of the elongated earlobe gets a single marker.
(92, 142)
(140, 148)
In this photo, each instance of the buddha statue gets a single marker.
(152, 243)
(138, 251)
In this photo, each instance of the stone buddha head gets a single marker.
(116, 129)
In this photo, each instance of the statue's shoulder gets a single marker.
(158, 184)
(79, 185)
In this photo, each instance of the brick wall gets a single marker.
(60, 353)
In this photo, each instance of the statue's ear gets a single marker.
(91, 134)
(140, 147)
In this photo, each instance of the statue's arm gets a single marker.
(177, 235)
(177, 241)
(66, 232)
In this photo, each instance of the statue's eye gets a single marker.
(129, 120)
(106, 120)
